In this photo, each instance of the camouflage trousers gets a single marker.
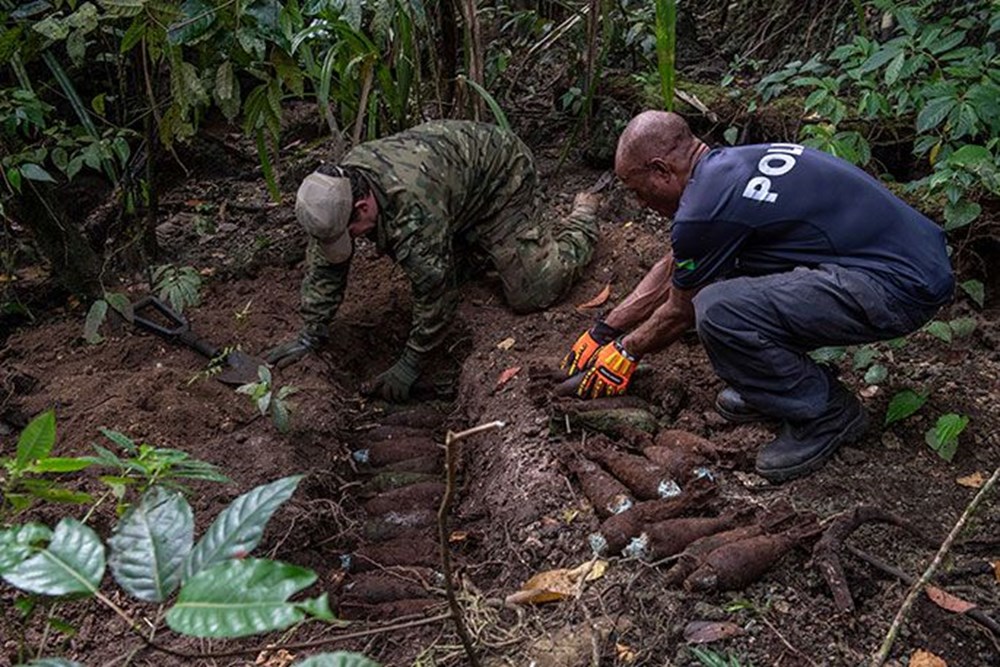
(538, 259)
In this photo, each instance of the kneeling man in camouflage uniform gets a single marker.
(423, 195)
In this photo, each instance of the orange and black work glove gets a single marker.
(610, 374)
(582, 353)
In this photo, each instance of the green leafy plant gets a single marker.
(145, 466)
(904, 404)
(943, 438)
(960, 327)
(709, 658)
(221, 592)
(271, 401)
(28, 476)
(178, 285)
(98, 312)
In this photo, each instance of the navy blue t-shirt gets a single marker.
(769, 208)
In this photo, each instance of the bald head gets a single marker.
(654, 135)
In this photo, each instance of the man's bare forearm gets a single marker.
(664, 326)
(652, 292)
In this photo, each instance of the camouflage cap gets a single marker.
(323, 207)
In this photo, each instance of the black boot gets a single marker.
(734, 409)
(803, 447)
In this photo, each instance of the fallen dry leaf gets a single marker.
(507, 375)
(996, 569)
(280, 658)
(568, 515)
(553, 585)
(973, 481)
(922, 658)
(598, 300)
(947, 601)
(506, 344)
(458, 536)
(625, 653)
(703, 632)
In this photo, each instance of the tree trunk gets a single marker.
(74, 263)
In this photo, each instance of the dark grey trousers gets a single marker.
(758, 331)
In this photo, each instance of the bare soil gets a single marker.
(518, 510)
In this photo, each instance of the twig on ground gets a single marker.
(976, 615)
(450, 466)
(883, 653)
(784, 641)
(827, 549)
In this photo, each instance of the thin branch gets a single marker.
(976, 615)
(450, 465)
(883, 653)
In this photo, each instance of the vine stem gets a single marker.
(450, 466)
(883, 653)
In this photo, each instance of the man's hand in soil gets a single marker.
(292, 351)
(394, 384)
(581, 355)
(610, 374)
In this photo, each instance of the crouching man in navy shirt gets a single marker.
(777, 250)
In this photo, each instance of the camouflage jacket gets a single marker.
(433, 182)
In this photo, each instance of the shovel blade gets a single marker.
(240, 369)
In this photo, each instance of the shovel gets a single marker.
(240, 368)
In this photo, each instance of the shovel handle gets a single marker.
(176, 323)
(176, 329)
(202, 347)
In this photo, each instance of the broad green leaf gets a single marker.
(36, 440)
(121, 304)
(76, 47)
(60, 464)
(46, 489)
(826, 355)
(876, 374)
(14, 177)
(864, 356)
(33, 172)
(239, 598)
(318, 607)
(904, 404)
(95, 318)
(120, 439)
(943, 438)
(962, 326)
(195, 23)
(136, 31)
(894, 68)
(337, 659)
(975, 290)
(879, 58)
(227, 90)
(939, 330)
(52, 27)
(933, 113)
(280, 415)
(150, 544)
(73, 562)
(960, 214)
(125, 8)
(17, 544)
(238, 528)
(731, 135)
(970, 155)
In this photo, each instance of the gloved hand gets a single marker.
(292, 351)
(610, 374)
(394, 384)
(582, 353)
